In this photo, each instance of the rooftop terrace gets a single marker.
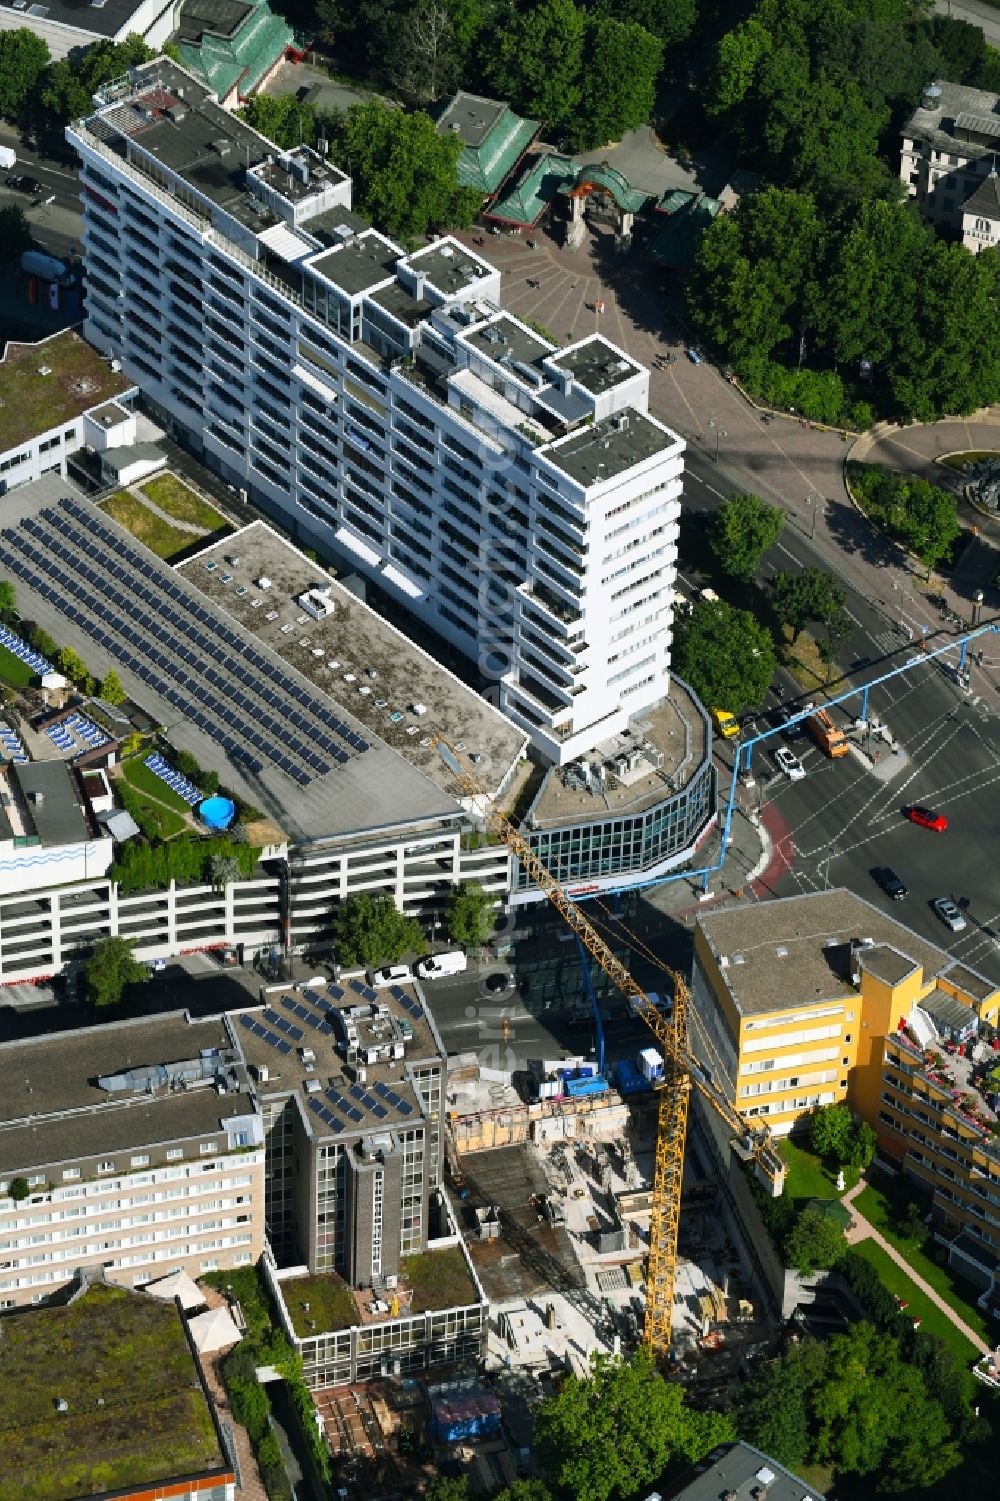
(610, 448)
(136, 1415)
(675, 727)
(31, 403)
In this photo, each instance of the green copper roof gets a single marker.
(493, 139)
(242, 58)
(526, 202)
(674, 200)
(601, 175)
(676, 242)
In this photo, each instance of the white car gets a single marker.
(392, 974)
(949, 913)
(789, 764)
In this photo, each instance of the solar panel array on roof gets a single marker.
(357, 1092)
(392, 1098)
(284, 1025)
(304, 1014)
(326, 1116)
(338, 1102)
(337, 991)
(407, 1002)
(265, 1034)
(215, 677)
(364, 991)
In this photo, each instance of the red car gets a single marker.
(927, 818)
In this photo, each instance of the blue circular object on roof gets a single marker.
(217, 812)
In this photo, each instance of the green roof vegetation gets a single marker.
(136, 1413)
(138, 774)
(172, 495)
(30, 403)
(317, 1305)
(155, 533)
(14, 671)
(438, 1279)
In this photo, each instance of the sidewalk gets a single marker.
(862, 1229)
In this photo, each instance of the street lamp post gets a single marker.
(977, 605)
(713, 426)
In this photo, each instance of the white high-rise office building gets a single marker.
(515, 496)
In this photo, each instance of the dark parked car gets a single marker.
(795, 731)
(23, 184)
(889, 882)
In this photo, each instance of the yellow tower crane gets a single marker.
(751, 1140)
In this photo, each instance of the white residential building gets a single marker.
(949, 146)
(516, 497)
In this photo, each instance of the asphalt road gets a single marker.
(842, 820)
(55, 214)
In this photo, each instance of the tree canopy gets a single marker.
(923, 516)
(110, 968)
(619, 1429)
(371, 930)
(112, 691)
(814, 1242)
(854, 1403)
(470, 914)
(725, 654)
(810, 595)
(15, 233)
(24, 57)
(825, 268)
(743, 528)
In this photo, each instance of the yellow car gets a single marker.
(725, 724)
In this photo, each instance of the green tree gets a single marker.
(8, 600)
(470, 914)
(536, 61)
(863, 1145)
(810, 595)
(725, 654)
(371, 930)
(670, 20)
(23, 59)
(448, 1488)
(815, 1241)
(109, 969)
(622, 62)
(112, 691)
(772, 1410)
(738, 60)
(524, 1490)
(742, 530)
(838, 628)
(831, 1130)
(69, 84)
(19, 1189)
(754, 273)
(72, 665)
(404, 171)
(619, 1429)
(423, 58)
(224, 870)
(284, 119)
(15, 233)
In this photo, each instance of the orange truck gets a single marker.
(831, 741)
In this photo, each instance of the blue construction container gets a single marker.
(593, 1084)
(628, 1078)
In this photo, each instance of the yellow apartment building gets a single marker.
(793, 1000)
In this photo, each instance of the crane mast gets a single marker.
(681, 1069)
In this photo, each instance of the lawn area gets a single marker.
(162, 822)
(181, 502)
(932, 1320)
(158, 535)
(317, 1305)
(808, 1178)
(438, 1279)
(153, 1424)
(142, 779)
(883, 1203)
(14, 671)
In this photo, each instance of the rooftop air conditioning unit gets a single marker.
(263, 582)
